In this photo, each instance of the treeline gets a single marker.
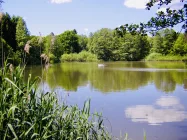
(105, 44)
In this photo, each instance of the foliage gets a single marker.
(110, 47)
(28, 114)
(21, 33)
(162, 20)
(106, 44)
(83, 56)
(34, 56)
(7, 50)
(160, 57)
(83, 41)
(8, 29)
(164, 41)
(101, 44)
(180, 46)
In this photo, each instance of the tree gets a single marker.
(34, 55)
(83, 41)
(162, 20)
(168, 18)
(180, 46)
(69, 43)
(133, 47)
(22, 33)
(163, 41)
(101, 44)
(8, 29)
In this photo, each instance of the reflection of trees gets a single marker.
(66, 76)
(164, 81)
(109, 80)
(72, 75)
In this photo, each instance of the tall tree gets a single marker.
(22, 33)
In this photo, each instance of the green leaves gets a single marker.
(21, 33)
(162, 20)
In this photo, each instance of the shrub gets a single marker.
(83, 56)
(153, 56)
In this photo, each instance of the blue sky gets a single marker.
(85, 16)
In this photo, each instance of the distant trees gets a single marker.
(66, 43)
(101, 44)
(105, 44)
(108, 46)
(164, 41)
(180, 46)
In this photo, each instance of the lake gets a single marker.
(134, 97)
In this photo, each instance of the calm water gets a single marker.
(134, 96)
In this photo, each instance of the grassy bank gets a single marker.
(160, 57)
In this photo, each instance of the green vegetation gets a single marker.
(160, 57)
(105, 45)
(115, 77)
(83, 56)
(30, 114)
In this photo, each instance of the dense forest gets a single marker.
(18, 46)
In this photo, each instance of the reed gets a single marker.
(28, 114)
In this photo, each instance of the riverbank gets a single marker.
(160, 57)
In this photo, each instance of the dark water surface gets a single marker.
(134, 96)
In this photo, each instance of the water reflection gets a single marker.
(166, 109)
(115, 76)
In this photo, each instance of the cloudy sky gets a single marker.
(85, 16)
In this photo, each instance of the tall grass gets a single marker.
(27, 114)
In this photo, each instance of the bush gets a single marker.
(26, 114)
(160, 57)
(153, 56)
(83, 56)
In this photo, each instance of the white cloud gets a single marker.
(60, 1)
(141, 4)
(170, 110)
(138, 4)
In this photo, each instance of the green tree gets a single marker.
(22, 33)
(101, 44)
(180, 46)
(34, 55)
(134, 47)
(68, 42)
(83, 41)
(163, 41)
